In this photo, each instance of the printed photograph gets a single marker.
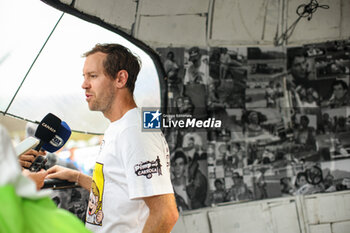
(266, 67)
(196, 80)
(336, 175)
(189, 168)
(173, 64)
(228, 69)
(288, 134)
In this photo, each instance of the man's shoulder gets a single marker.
(130, 120)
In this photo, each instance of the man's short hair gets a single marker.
(119, 58)
(218, 181)
(340, 82)
(194, 53)
(179, 154)
(170, 53)
(236, 175)
(292, 53)
(299, 175)
(305, 118)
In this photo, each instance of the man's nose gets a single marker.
(85, 84)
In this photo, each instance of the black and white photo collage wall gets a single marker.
(285, 121)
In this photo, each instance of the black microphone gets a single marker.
(47, 129)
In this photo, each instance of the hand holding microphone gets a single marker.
(50, 135)
(26, 159)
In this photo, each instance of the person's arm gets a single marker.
(37, 177)
(62, 173)
(163, 213)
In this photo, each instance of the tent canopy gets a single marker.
(160, 23)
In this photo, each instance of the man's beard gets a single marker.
(104, 103)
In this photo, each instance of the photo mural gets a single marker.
(285, 121)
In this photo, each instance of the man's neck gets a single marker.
(121, 105)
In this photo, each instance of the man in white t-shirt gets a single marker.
(131, 189)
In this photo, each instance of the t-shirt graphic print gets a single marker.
(95, 211)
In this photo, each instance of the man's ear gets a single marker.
(122, 78)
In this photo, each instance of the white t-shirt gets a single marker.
(131, 165)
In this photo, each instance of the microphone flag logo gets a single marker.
(57, 141)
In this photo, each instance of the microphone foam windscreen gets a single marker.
(48, 127)
(60, 138)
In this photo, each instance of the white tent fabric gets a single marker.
(53, 84)
(161, 23)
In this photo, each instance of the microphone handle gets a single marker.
(38, 147)
(40, 161)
